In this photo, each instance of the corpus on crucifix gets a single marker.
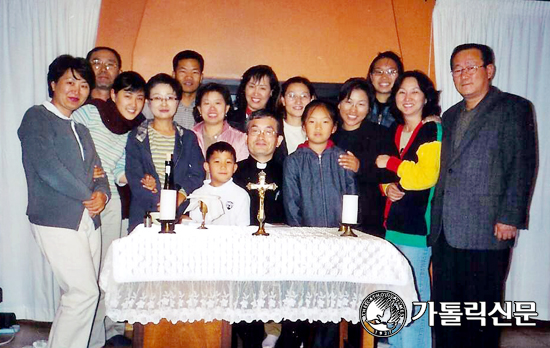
(261, 186)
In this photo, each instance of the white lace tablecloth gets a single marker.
(226, 273)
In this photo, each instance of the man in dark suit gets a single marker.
(488, 160)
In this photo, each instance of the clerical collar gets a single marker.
(261, 165)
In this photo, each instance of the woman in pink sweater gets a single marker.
(213, 103)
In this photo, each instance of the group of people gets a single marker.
(451, 190)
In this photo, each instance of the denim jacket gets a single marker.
(313, 186)
(381, 115)
(188, 169)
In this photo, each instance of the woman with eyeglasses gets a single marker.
(259, 89)
(363, 141)
(415, 160)
(212, 109)
(296, 93)
(150, 143)
(383, 71)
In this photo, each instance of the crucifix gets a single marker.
(261, 186)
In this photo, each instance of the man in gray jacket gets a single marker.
(488, 161)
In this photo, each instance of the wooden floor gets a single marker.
(514, 337)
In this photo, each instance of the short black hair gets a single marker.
(129, 81)
(487, 53)
(256, 73)
(296, 79)
(101, 48)
(207, 88)
(163, 78)
(188, 54)
(263, 113)
(386, 55)
(221, 146)
(65, 62)
(426, 86)
(314, 104)
(358, 83)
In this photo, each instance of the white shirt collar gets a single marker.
(53, 109)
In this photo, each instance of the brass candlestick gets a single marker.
(167, 226)
(348, 232)
(261, 186)
(204, 210)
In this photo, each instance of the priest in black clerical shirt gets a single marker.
(264, 136)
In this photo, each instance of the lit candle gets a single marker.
(349, 209)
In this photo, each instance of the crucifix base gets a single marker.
(261, 231)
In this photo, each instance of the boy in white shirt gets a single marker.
(221, 164)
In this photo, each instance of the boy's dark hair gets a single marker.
(388, 55)
(65, 62)
(256, 73)
(163, 78)
(358, 83)
(296, 79)
(426, 86)
(188, 54)
(263, 113)
(487, 54)
(207, 88)
(103, 48)
(221, 146)
(129, 81)
(314, 104)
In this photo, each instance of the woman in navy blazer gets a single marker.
(145, 175)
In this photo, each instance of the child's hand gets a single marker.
(184, 218)
(349, 161)
(148, 182)
(382, 161)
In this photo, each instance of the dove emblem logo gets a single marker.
(383, 313)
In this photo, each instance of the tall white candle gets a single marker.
(168, 199)
(349, 209)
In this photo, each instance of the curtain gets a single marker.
(519, 33)
(32, 34)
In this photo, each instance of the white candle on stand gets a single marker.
(168, 199)
(349, 209)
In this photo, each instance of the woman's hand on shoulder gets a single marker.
(432, 118)
(349, 161)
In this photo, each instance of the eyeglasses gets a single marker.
(294, 96)
(380, 72)
(97, 64)
(159, 99)
(470, 70)
(269, 132)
